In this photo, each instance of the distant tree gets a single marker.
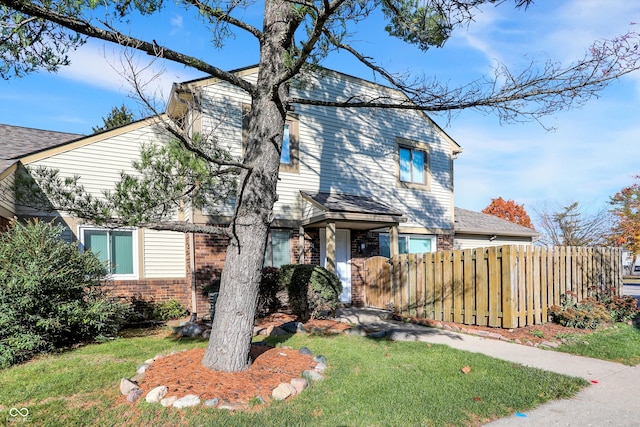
(626, 209)
(119, 116)
(573, 225)
(509, 211)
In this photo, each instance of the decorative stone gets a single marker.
(168, 401)
(356, 330)
(148, 361)
(320, 359)
(305, 350)
(189, 329)
(312, 375)
(549, 344)
(377, 335)
(212, 403)
(320, 367)
(141, 369)
(187, 401)
(155, 395)
(293, 327)
(126, 386)
(206, 334)
(283, 391)
(134, 395)
(299, 384)
(137, 377)
(278, 332)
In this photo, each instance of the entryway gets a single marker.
(343, 260)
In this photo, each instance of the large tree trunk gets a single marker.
(232, 328)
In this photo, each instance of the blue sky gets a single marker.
(591, 154)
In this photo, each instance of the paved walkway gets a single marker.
(612, 399)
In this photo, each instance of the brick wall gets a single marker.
(157, 290)
(4, 224)
(445, 242)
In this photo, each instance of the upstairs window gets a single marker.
(290, 146)
(413, 164)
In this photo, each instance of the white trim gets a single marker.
(134, 249)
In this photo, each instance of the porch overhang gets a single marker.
(348, 211)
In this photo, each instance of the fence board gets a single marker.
(469, 287)
(508, 286)
(458, 286)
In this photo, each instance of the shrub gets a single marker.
(169, 310)
(586, 314)
(621, 309)
(268, 301)
(50, 294)
(146, 309)
(313, 290)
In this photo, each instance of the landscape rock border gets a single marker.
(158, 395)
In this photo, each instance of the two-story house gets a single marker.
(353, 183)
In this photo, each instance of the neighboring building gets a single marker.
(475, 230)
(353, 180)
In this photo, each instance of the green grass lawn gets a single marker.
(620, 343)
(368, 383)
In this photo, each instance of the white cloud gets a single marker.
(103, 66)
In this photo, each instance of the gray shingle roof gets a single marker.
(348, 203)
(17, 141)
(471, 222)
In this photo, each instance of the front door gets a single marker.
(343, 260)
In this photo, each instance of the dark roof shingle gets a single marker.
(467, 221)
(17, 141)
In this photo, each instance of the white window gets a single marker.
(408, 244)
(413, 164)
(278, 251)
(117, 249)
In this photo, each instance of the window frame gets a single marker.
(134, 249)
(413, 146)
(292, 121)
(268, 256)
(408, 236)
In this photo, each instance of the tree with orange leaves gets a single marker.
(626, 208)
(509, 211)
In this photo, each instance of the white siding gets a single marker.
(99, 164)
(469, 241)
(350, 151)
(164, 254)
(7, 197)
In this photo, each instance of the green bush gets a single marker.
(313, 290)
(268, 301)
(143, 310)
(50, 294)
(169, 310)
(586, 314)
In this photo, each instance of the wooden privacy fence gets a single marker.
(505, 286)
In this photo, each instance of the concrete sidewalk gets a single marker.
(612, 399)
